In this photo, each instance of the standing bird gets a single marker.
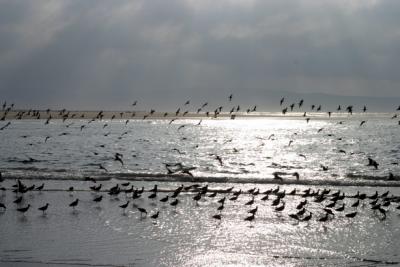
(124, 206)
(25, 209)
(44, 208)
(174, 203)
(74, 203)
(249, 218)
(98, 199)
(351, 215)
(142, 210)
(155, 215)
(217, 216)
(39, 188)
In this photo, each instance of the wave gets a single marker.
(61, 174)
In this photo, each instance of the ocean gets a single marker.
(328, 153)
(249, 148)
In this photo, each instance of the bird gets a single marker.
(277, 177)
(355, 204)
(96, 188)
(124, 206)
(74, 203)
(219, 160)
(44, 208)
(324, 218)
(249, 218)
(341, 208)
(101, 167)
(197, 197)
(250, 202)
(174, 203)
(118, 157)
(18, 200)
(253, 211)
(220, 208)
(142, 210)
(155, 215)
(351, 215)
(25, 209)
(362, 123)
(153, 195)
(98, 199)
(308, 217)
(324, 168)
(280, 208)
(164, 199)
(373, 163)
(39, 188)
(217, 216)
(3, 206)
(301, 212)
(212, 195)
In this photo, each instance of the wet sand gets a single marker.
(101, 234)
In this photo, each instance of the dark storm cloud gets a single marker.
(107, 53)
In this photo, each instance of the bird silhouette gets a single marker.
(25, 209)
(44, 208)
(155, 215)
(74, 203)
(373, 163)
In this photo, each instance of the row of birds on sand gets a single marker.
(330, 204)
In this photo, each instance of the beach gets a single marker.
(101, 234)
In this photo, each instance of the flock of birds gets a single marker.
(10, 113)
(332, 203)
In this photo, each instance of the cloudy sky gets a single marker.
(102, 53)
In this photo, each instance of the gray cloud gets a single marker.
(107, 53)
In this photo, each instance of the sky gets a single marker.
(88, 54)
